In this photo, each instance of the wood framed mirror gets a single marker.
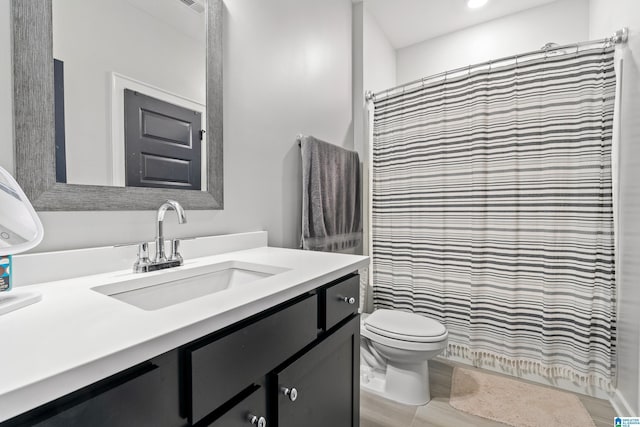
(34, 123)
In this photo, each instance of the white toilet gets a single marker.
(395, 347)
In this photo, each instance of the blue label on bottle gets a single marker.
(5, 273)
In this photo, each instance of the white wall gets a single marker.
(374, 69)
(129, 41)
(607, 16)
(287, 70)
(564, 21)
(379, 56)
(357, 90)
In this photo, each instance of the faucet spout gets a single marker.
(182, 218)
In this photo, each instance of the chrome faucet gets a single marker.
(161, 261)
(169, 204)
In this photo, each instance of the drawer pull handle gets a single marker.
(349, 300)
(257, 421)
(291, 393)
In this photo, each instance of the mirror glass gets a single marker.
(153, 50)
(20, 227)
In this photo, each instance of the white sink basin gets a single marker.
(170, 287)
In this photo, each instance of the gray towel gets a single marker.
(331, 196)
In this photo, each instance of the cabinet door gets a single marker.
(145, 395)
(321, 388)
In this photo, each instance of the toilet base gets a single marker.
(403, 383)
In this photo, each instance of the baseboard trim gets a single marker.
(620, 405)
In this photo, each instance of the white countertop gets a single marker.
(76, 336)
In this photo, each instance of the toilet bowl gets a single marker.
(395, 349)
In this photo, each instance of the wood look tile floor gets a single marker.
(378, 412)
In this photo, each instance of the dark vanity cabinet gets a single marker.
(221, 369)
(296, 364)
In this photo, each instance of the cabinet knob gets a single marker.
(291, 393)
(349, 300)
(257, 421)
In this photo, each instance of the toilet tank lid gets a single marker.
(403, 323)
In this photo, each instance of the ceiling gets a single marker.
(406, 22)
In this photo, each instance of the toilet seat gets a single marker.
(403, 326)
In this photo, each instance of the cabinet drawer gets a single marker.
(221, 369)
(254, 405)
(341, 300)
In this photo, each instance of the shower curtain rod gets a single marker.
(619, 37)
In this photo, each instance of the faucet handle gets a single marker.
(143, 251)
(143, 257)
(174, 254)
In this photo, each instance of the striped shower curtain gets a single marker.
(492, 213)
